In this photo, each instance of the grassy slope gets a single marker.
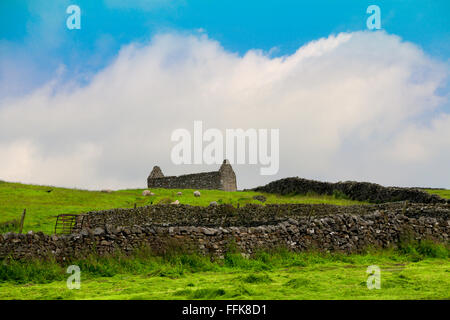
(43, 207)
(268, 276)
(293, 276)
(443, 193)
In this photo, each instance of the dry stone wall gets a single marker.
(212, 230)
(250, 215)
(204, 180)
(361, 191)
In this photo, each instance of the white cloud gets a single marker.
(357, 106)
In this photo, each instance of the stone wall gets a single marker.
(249, 215)
(361, 191)
(223, 179)
(297, 227)
(204, 180)
(227, 177)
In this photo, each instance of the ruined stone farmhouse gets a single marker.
(223, 179)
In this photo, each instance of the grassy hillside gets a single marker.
(443, 193)
(413, 271)
(44, 203)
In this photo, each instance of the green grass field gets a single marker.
(443, 193)
(414, 272)
(43, 206)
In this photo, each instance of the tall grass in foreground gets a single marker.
(9, 226)
(174, 264)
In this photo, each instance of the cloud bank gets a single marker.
(355, 106)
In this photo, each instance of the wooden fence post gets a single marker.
(22, 220)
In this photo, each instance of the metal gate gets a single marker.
(65, 223)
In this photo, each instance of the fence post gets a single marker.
(22, 220)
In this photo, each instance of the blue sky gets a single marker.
(88, 108)
(33, 33)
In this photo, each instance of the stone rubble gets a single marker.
(249, 228)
